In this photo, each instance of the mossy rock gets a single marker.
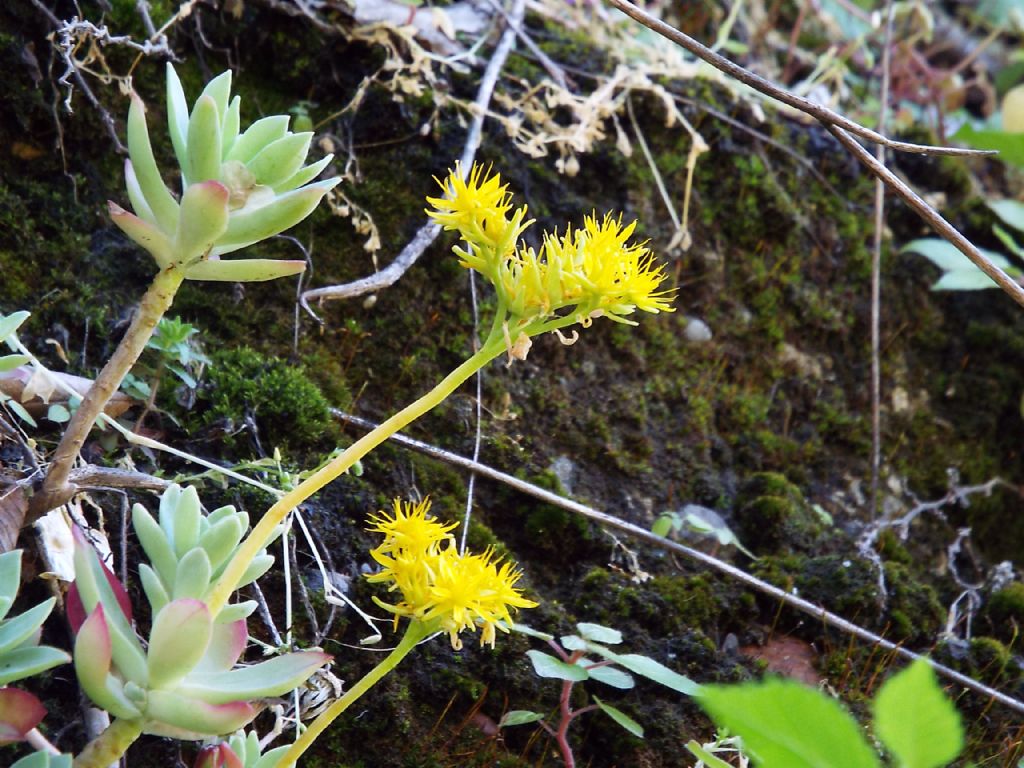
(985, 659)
(1005, 610)
(245, 389)
(773, 517)
(849, 587)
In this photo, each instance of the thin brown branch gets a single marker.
(826, 617)
(768, 88)
(930, 215)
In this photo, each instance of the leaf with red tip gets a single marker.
(143, 233)
(93, 657)
(203, 219)
(179, 639)
(218, 756)
(172, 714)
(227, 643)
(20, 712)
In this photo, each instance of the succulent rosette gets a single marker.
(186, 682)
(188, 550)
(238, 187)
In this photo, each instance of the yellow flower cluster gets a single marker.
(438, 584)
(585, 273)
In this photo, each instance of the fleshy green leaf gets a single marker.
(788, 725)
(203, 219)
(268, 678)
(10, 362)
(599, 634)
(177, 121)
(93, 657)
(250, 225)
(137, 197)
(303, 175)
(150, 237)
(546, 665)
(20, 628)
(279, 161)
(153, 539)
(621, 718)
(519, 717)
(204, 141)
(220, 540)
(244, 270)
(10, 323)
(10, 577)
(30, 660)
(257, 136)
(193, 576)
(663, 525)
(44, 760)
(914, 719)
(219, 89)
(178, 640)
(154, 589)
(230, 128)
(159, 199)
(172, 713)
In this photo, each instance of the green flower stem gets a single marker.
(417, 631)
(261, 533)
(109, 746)
(56, 488)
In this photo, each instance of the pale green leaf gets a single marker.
(531, 632)
(1010, 211)
(914, 719)
(58, 414)
(10, 362)
(519, 717)
(9, 323)
(787, 725)
(1009, 145)
(709, 760)
(621, 718)
(244, 270)
(663, 525)
(947, 256)
(599, 634)
(546, 665)
(616, 678)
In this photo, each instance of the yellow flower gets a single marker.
(438, 584)
(478, 209)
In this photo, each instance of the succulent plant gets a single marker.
(237, 187)
(184, 683)
(20, 654)
(240, 751)
(189, 550)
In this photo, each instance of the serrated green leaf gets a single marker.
(519, 717)
(599, 634)
(787, 725)
(546, 665)
(914, 719)
(621, 718)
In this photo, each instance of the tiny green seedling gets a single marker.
(571, 666)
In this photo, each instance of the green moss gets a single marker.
(1005, 610)
(288, 410)
(773, 516)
